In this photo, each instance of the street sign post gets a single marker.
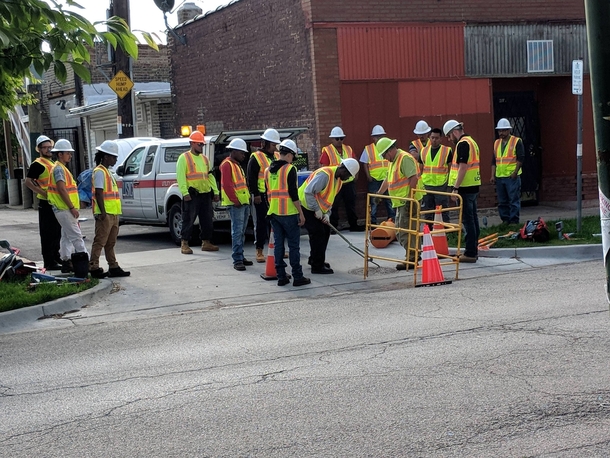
(121, 84)
(577, 83)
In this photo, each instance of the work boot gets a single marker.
(118, 272)
(98, 273)
(66, 267)
(239, 266)
(206, 245)
(184, 248)
(260, 257)
(467, 259)
(80, 262)
(301, 281)
(247, 262)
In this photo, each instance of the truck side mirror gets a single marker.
(120, 171)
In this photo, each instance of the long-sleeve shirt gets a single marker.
(315, 186)
(226, 180)
(252, 173)
(201, 165)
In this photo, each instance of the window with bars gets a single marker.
(540, 56)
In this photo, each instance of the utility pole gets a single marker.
(125, 118)
(597, 13)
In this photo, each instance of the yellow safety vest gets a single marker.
(53, 193)
(239, 183)
(112, 198)
(44, 178)
(263, 164)
(419, 145)
(378, 167)
(326, 198)
(280, 202)
(473, 174)
(398, 184)
(435, 171)
(506, 161)
(335, 157)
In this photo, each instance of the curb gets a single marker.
(10, 320)
(576, 252)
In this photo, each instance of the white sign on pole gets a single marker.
(577, 76)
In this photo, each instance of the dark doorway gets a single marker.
(71, 134)
(521, 109)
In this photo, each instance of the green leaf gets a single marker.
(110, 38)
(60, 71)
(81, 71)
(149, 40)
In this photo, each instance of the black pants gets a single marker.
(347, 194)
(50, 233)
(262, 229)
(199, 205)
(319, 233)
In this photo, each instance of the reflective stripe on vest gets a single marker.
(378, 168)
(239, 184)
(473, 175)
(263, 164)
(398, 185)
(435, 170)
(53, 192)
(335, 158)
(280, 202)
(112, 198)
(326, 198)
(44, 178)
(192, 174)
(419, 145)
(507, 163)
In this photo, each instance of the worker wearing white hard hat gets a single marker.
(259, 161)
(317, 195)
(436, 159)
(465, 180)
(106, 211)
(37, 179)
(422, 130)
(402, 177)
(375, 169)
(506, 164)
(332, 155)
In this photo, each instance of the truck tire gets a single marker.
(174, 221)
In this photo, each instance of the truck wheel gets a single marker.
(174, 222)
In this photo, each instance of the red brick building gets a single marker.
(321, 63)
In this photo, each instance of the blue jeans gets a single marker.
(373, 187)
(239, 222)
(509, 198)
(287, 228)
(470, 219)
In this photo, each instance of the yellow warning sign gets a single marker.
(121, 84)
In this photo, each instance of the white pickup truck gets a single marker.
(147, 178)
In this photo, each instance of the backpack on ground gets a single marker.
(535, 230)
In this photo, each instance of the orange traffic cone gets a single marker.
(270, 272)
(439, 239)
(432, 274)
(381, 237)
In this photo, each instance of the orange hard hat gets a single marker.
(197, 137)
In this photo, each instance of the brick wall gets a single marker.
(149, 67)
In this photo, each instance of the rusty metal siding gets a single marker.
(401, 51)
(500, 50)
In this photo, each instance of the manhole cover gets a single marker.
(373, 271)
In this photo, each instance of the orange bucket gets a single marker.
(381, 237)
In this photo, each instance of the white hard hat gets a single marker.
(503, 124)
(271, 135)
(62, 145)
(422, 128)
(377, 130)
(238, 144)
(336, 132)
(109, 147)
(42, 139)
(450, 125)
(351, 165)
(292, 146)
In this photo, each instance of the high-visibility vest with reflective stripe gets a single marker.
(44, 178)
(506, 161)
(263, 164)
(335, 157)
(326, 198)
(473, 174)
(239, 183)
(398, 184)
(435, 170)
(192, 174)
(419, 145)
(280, 202)
(112, 199)
(378, 168)
(53, 193)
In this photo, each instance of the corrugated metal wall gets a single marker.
(501, 49)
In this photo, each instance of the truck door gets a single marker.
(147, 185)
(130, 200)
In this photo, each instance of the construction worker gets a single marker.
(259, 161)
(376, 170)
(286, 214)
(236, 197)
(317, 196)
(465, 179)
(63, 196)
(106, 211)
(436, 160)
(332, 155)
(37, 180)
(506, 169)
(422, 130)
(402, 177)
(199, 189)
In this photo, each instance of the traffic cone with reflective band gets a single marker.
(432, 274)
(270, 272)
(440, 239)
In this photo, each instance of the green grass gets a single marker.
(589, 225)
(15, 294)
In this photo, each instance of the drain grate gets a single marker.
(373, 271)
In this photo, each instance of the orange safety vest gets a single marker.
(398, 185)
(112, 199)
(239, 183)
(435, 170)
(44, 178)
(506, 165)
(335, 158)
(280, 202)
(378, 167)
(53, 192)
(192, 174)
(419, 145)
(326, 198)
